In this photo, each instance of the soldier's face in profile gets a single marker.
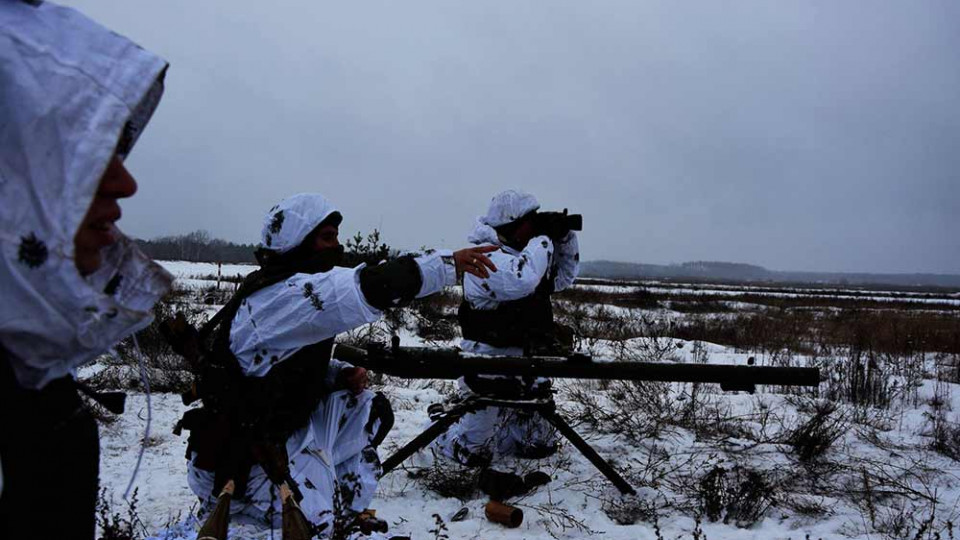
(97, 230)
(525, 232)
(326, 238)
(522, 233)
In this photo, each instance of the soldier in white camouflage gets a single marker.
(509, 313)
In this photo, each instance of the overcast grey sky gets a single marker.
(798, 135)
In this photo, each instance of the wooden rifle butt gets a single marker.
(217, 523)
(295, 524)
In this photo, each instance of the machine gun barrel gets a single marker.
(426, 363)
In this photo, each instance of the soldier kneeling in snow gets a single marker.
(269, 385)
(509, 314)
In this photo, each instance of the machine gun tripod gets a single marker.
(544, 405)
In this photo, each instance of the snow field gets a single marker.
(878, 480)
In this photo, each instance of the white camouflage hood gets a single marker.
(72, 94)
(505, 207)
(287, 224)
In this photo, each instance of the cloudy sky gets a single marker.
(798, 135)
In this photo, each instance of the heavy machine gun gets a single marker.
(427, 363)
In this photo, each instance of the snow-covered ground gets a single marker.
(577, 491)
(880, 472)
(183, 269)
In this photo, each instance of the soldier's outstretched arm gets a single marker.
(313, 307)
(518, 276)
(405, 278)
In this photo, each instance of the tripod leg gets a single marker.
(588, 452)
(421, 441)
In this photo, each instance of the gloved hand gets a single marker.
(182, 336)
(354, 379)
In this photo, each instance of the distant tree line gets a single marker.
(197, 246)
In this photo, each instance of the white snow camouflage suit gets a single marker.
(73, 95)
(276, 322)
(495, 431)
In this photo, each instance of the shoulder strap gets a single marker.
(255, 281)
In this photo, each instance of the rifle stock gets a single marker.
(295, 524)
(216, 525)
(426, 363)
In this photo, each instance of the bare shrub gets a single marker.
(439, 530)
(762, 331)
(899, 332)
(435, 316)
(945, 434)
(214, 295)
(657, 344)
(151, 340)
(888, 488)
(812, 437)
(341, 517)
(740, 495)
(865, 380)
(375, 333)
(713, 493)
(807, 505)
(906, 521)
(640, 410)
(627, 510)
(946, 439)
(557, 520)
(596, 325)
(112, 525)
(167, 371)
(627, 335)
(637, 410)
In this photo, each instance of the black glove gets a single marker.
(182, 337)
